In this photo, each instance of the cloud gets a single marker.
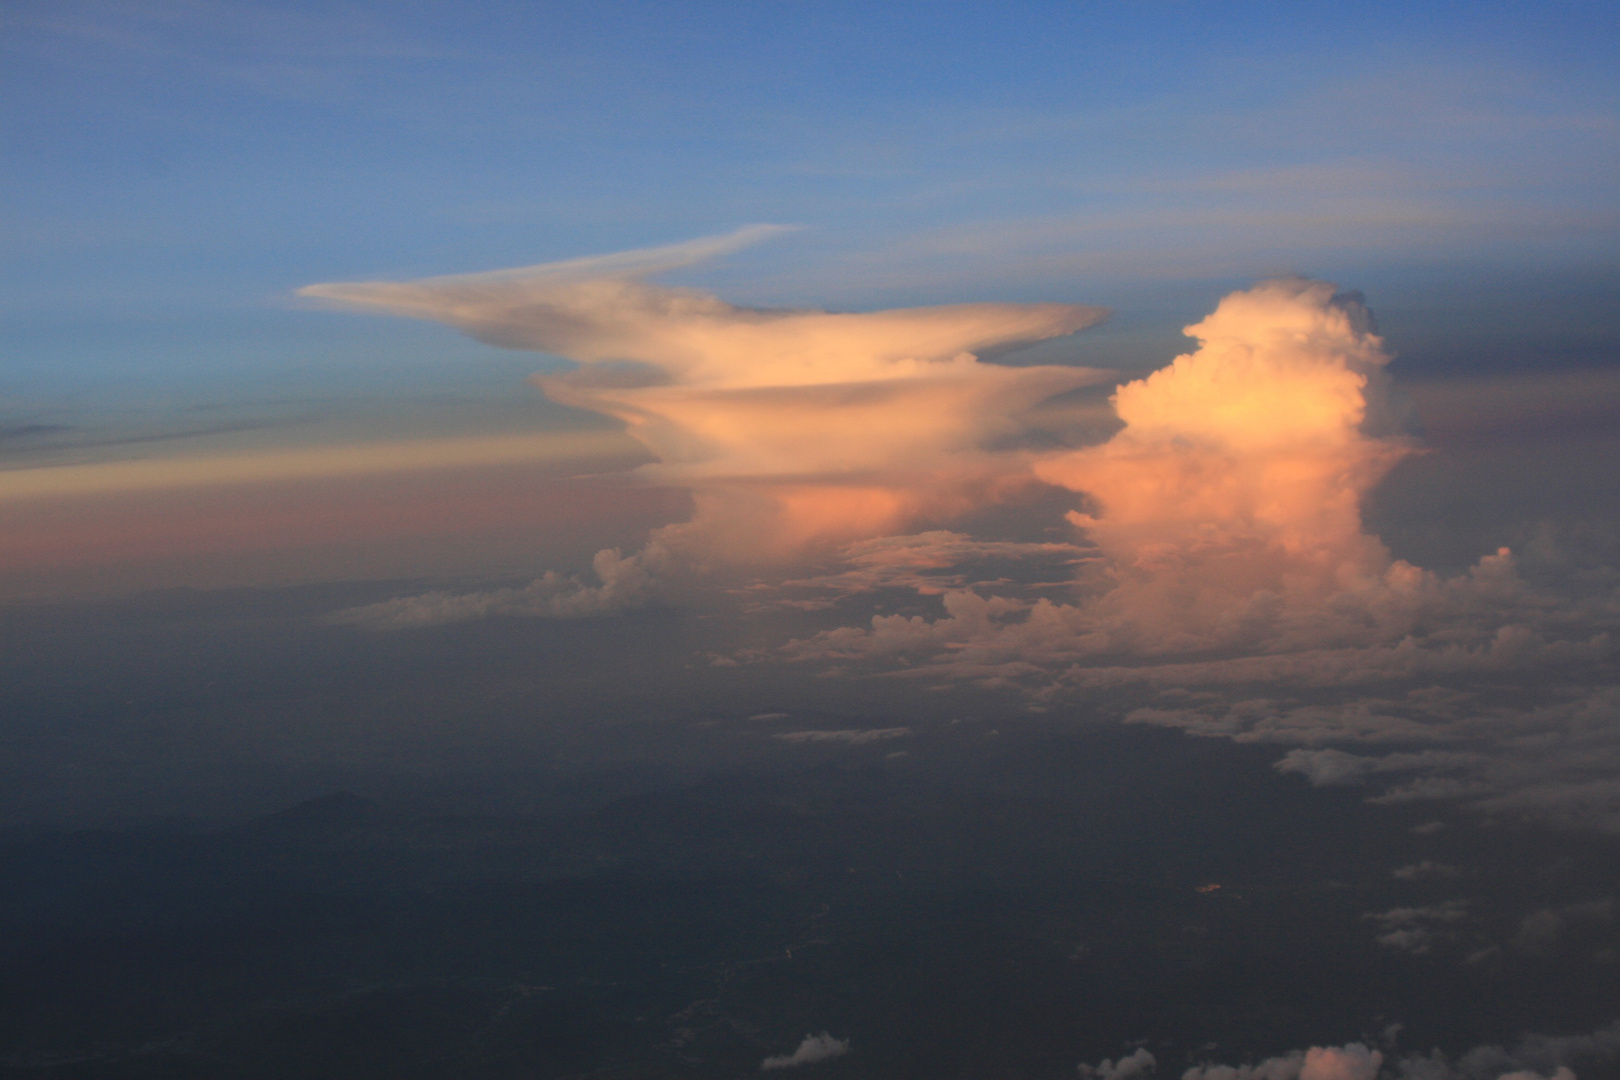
(307, 463)
(853, 737)
(1135, 1064)
(1229, 504)
(934, 562)
(1326, 768)
(1417, 929)
(1353, 1061)
(1534, 1057)
(1227, 507)
(1427, 870)
(814, 1048)
(1546, 932)
(793, 429)
(626, 582)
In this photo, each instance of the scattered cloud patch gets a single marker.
(1353, 1061)
(1427, 870)
(1136, 1064)
(626, 582)
(1417, 929)
(851, 737)
(813, 1049)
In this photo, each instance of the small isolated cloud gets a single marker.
(851, 737)
(1427, 870)
(769, 716)
(1326, 768)
(1136, 1064)
(814, 1048)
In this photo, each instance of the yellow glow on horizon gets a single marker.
(306, 463)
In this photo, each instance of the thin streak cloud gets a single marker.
(306, 463)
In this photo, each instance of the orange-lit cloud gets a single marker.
(1233, 493)
(1227, 508)
(792, 428)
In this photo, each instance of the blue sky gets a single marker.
(175, 170)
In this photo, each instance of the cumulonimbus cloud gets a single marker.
(792, 428)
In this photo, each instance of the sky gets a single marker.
(1246, 372)
(176, 173)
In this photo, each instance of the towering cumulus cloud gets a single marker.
(792, 428)
(1232, 497)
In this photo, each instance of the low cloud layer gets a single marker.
(1534, 1057)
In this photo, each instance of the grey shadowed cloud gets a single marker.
(813, 1049)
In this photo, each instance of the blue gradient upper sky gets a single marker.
(174, 170)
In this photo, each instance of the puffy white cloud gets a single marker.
(814, 1048)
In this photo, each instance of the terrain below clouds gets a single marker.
(950, 900)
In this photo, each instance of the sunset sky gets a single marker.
(1244, 372)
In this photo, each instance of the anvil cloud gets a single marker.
(792, 428)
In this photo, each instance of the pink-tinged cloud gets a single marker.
(792, 428)
(1236, 482)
